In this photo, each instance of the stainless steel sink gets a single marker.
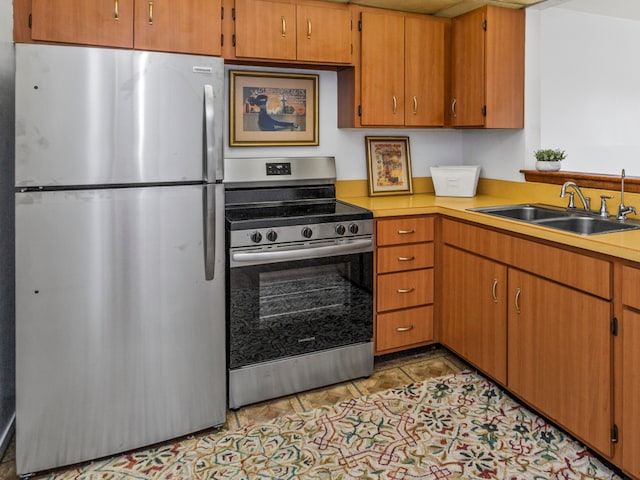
(587, 225)
(574, 220)
(527, 213)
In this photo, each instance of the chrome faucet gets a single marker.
(586, 202)
(624, 210)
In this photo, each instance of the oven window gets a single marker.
(283, 309)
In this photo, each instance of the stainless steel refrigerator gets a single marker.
(120, 317)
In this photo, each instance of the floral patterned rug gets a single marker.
(458, 426)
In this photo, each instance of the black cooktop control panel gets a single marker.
(283, 168)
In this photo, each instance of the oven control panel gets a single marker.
(300, 233)
(281, 168)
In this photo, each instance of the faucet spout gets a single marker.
(624, 210)
(586, 201)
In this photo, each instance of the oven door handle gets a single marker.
(302, 253)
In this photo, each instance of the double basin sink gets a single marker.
(569, 220)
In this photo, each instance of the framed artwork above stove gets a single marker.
(389, 165)
(272, 109)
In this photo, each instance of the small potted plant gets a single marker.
(548, 160)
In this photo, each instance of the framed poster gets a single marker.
(272, 109)
(389, 165)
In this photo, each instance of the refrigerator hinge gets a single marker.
(484, 110)
(614, 326)
(614, 433)
(484, 25)
(30, 20)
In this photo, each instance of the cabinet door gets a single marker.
(324, 33)
(559, 354)
(382, 62)
(424, 71)
(265, 29)
(630, 430)
(191, 26)
(468, 69)
(88, 22)
(474, 310)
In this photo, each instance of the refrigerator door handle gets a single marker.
(209, 135)
(209, 210)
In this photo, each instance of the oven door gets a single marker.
(296, 302)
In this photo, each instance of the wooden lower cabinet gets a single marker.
(560, 355)
(536, 318)
(404, 283)
(630, 365)
(406, 327)
(474, 320)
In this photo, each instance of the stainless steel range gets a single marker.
(300, 276)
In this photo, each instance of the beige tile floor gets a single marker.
(390, 371)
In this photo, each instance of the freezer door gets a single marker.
(87, 116)
(120, 336)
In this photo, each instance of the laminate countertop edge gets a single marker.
(622, 245)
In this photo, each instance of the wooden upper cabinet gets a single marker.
(324, 33)
(316, 32)
(424, 79)
(89, 22)
(487, 68)
(400, 75)
(468, 76)
(382, 69)
(192, 26)
(265, 29)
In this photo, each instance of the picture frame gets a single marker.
(273, 109)
(389, 165)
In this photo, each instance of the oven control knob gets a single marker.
(340, 230)
(307, 232)
(256, 237)
(353, 228)
(272, 236)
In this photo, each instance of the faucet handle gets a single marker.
(604, 211)
(572, 203)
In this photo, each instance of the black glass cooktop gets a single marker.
(261, 216)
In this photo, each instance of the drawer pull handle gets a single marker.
(406, 259)
(406, 290)
(493, 290)
(406, 232)
(518, 292)
(404, 329)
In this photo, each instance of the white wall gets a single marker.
(590, 87)
(582, 92)
(428, 147)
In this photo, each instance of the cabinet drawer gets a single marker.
(404, 289)
(403, 328)
(405, 257)
(404, 230)
(630, 291)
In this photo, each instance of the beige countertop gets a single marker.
(624, 245)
